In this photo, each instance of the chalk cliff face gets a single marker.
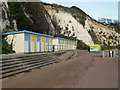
(55, 20)
(90, 31)
(105, 35)
(68, 25)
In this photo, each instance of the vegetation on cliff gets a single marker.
(29, 16)
(6, 48)
(93, 36)
(111, 23)
(78, 14)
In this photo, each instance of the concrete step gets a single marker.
(13, 59)
(21, 63)
(24, 56)
(25, 66)
(66, 55)
(31, 67)
(15, 65)
(22, 70)
(17, 61)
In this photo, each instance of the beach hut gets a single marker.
(64, 44)
(28, 41)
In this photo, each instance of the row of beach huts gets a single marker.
(27, 41)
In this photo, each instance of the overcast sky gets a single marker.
(94, 8)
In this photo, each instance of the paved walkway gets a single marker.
(86, 71)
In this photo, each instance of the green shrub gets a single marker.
(82, 46)
(110, 37)
(93, 36)
(9, 27)
(36, 21)
(6, 48)
(118, 47)
(78, 14)
(107, 47)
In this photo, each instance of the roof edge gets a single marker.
(25, 31)
(63, 38)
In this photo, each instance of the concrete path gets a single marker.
(102, 74)
(86, 71)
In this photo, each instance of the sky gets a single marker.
(94, 8)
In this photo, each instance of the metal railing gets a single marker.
(59, 47)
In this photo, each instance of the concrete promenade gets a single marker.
(86, 71)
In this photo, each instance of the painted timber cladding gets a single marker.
(30, 41)
(18, 42)
(43, 43)
(33, 43)
(37, 43)
(27, 46)
(50, 44)
(67, 46)
(27, 41)
(64, 44)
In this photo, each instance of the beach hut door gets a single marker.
(32, 46)
(42, 46)
(38, 46)
(46, 46)
(26, 47)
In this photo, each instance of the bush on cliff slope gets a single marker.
(17, 13)
(78, 14)
(29, 16)
(6, 48)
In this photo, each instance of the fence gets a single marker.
(109, 53)
(59, 47)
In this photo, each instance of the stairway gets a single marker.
(14, 65)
